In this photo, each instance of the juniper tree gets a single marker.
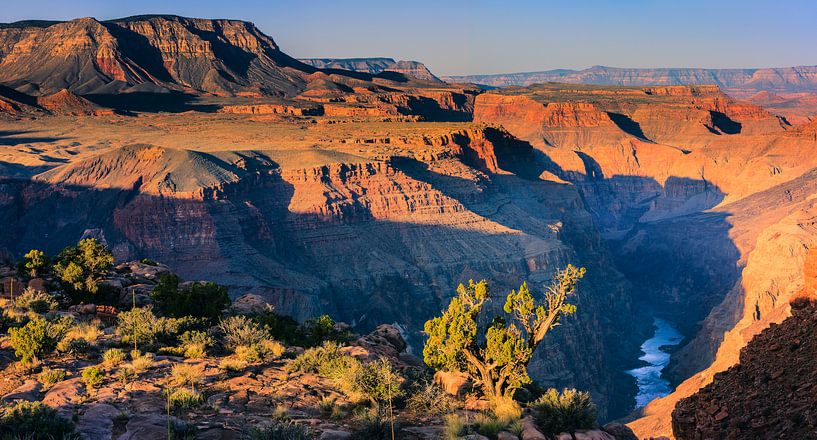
(496, 356)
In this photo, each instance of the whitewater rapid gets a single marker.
(648, 378)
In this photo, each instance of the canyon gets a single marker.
(368, 190)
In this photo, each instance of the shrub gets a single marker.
(182, 398)
(141, 363)
(240, 330)
(281, 327)
(378, 381)
(82, 267)
(454, 427)
(232, 365)
(429, 399)
(195, 344)
(126, 375)
(37, 338)
(36, 301)
(87, 331)
(506, 410)
(93, 377)
(34, 421)
(49, 377)
(33, 264)
(248, 353)
(271, 349)
(311, 360)
(139, 324)
(75, 347)
(280, 430)
(148, 262)
(204, 300)
(567, 411)
(489, 426)
(187, 374)
(374, 425)
(496, 355)
(113, 357)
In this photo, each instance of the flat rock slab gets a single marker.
(29, 390)
(97, 422)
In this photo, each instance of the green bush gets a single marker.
(202, 300)
(151, 331)
(113, 357)
(429, 399)
(311, 333)
(240, 330)
(454, 427)
(36, 301)
(93, 377)
(373, 424)
(81, 268)
(194, 344)
(49, 377)
(376, 382)
(37, 338)
(567, 411)
(280, 430)
(34, 421)
(489, 426)
(33, 264)
(183, 398)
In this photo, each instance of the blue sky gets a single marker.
(482, 36)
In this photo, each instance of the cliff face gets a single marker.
(770, 393)
(682, 170)
(367, 240)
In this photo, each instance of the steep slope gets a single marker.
(744, 82)
(770, 393)
(414, 69)
(419, 213)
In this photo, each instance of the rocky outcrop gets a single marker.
(770, 393)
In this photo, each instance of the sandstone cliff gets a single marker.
(414, 69)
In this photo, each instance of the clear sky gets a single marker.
(483, 36)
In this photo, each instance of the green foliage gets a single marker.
(183, 398)
(93, 377)
(373, 425)
(33, 264)
(36, 301)
(280, 430)
(151, 331)
(37, 338)
(202, 300)
(34, 421)
(148, 261)
(567, 411)
(312, 333)
(113, 357)
(49, 377)
(496, 356)
(489, 426)
(240, 330)
(82, 267)
(195, 343)
(454, 427)
(376, 382)
(430, 400)
(187, 374)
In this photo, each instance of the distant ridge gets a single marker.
(743, 82)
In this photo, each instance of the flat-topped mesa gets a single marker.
(574, 116)
(374, 66)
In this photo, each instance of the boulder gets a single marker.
(64, 395)
(592, 434)
(384, 341)
(475, 437)
(250, 304)
(452, 382)
(147, 271)
(332, 434)
(505, 435)
(12, 285)
(148, 426)
(37, 284)
(619, 431)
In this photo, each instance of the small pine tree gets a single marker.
(497, 356)
(33, 264)
(82, 267)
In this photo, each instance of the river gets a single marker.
(648, 378)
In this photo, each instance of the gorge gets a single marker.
(369, 194)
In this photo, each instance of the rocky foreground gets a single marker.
(101, 393)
